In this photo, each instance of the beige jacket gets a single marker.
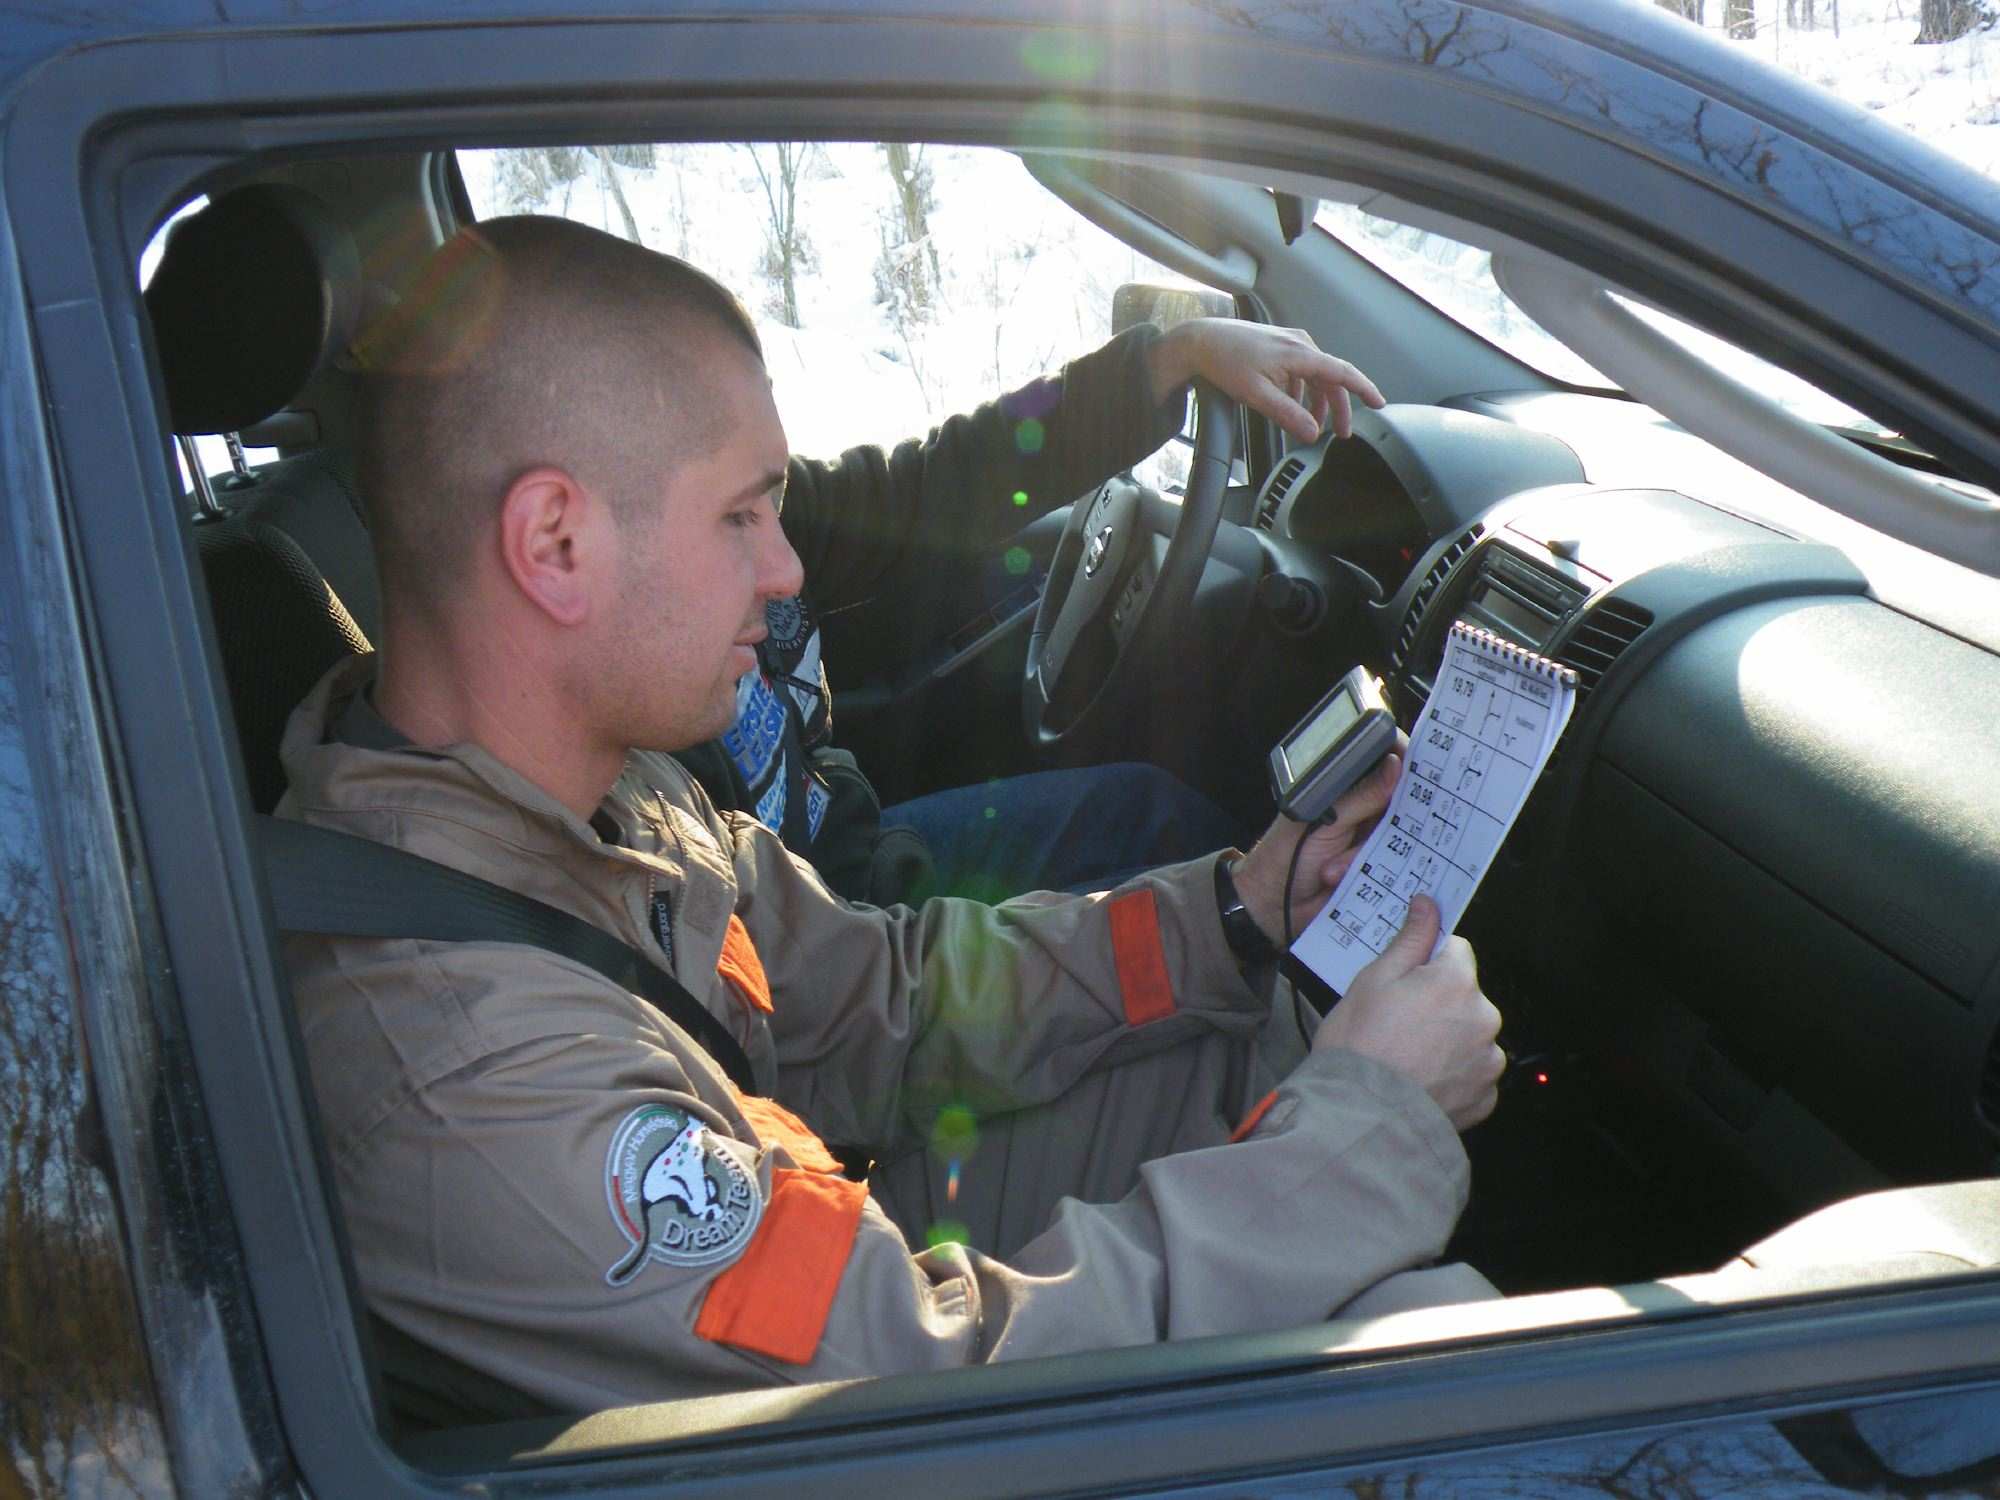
(546, 1179)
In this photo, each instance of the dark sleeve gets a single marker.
(853, 520)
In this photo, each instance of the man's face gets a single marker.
(698, 570)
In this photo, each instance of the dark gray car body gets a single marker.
(181, 1233)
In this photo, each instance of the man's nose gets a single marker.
(780, 574)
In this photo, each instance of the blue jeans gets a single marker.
(1076, 830)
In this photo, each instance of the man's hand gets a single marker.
(1260, 878)
(1425, 1019)
(1280, 372)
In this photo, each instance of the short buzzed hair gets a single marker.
(530, 341)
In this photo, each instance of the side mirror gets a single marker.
(1139, 302)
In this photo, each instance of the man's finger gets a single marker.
(1331, 373)
(1340, 411)
(1411, 948)
(1369, 797)
(1263, 394)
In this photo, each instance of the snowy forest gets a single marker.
(894, 285)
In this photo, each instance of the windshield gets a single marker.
(1457, 279)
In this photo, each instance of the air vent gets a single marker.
(1426, 591)
(1274, 495)
(1601, 637)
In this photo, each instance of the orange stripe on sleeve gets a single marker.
(776, 1299)
(741, 966)
(777, 1126)
(1141, 958)
(1255, 1117)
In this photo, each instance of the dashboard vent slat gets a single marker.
(1274, 497)
(1426, 591)
(1601, 637)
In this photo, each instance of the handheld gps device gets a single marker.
(1332, 747)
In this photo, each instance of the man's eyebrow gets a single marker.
(775, 480)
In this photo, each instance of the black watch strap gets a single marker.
(1239, 929)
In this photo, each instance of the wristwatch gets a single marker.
(1239, 929)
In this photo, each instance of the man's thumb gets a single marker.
(1411, 948)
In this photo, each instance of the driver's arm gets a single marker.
(980, 476)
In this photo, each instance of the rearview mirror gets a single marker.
(1139, 302)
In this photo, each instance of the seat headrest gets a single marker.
(254, 293)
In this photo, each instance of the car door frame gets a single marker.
(103, 139)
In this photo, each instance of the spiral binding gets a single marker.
(1515, 655)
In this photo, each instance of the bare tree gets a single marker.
(71, 1373)
(907, 274)
(1948, 20)
(609, 170)
(1739, 19)
(1689, 10)
(683, 218)
(526, 179)
(788, 252)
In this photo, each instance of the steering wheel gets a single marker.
(1113, 600)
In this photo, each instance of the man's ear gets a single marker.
(548, 523)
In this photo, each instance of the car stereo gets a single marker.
(1513, 598)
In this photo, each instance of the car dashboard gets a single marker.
(1756, 884)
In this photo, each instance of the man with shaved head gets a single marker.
(554, 1189)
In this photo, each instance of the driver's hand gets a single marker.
(1280, 372)
(1260, 878)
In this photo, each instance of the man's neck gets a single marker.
(467, 698)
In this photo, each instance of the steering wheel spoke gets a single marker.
(1104, 614)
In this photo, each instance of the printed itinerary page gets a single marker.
(1475, 751)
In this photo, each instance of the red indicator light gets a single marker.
(1541, 1078)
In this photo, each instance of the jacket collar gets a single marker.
(383, 785)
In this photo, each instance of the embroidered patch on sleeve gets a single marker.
(740, 965)
(1136, 948)
(675, 1194)
(775, 1300)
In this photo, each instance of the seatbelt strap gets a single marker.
(336, 883)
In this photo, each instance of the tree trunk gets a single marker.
(787, 249)
(1739, 19)
(1688, 10)
(617, 193)
(1946, 20)
(913, 202)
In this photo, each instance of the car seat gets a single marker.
(255, 294)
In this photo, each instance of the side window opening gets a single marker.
(893, 285)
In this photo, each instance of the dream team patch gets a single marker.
(676, 1195)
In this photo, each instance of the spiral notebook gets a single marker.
(1475, 752)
